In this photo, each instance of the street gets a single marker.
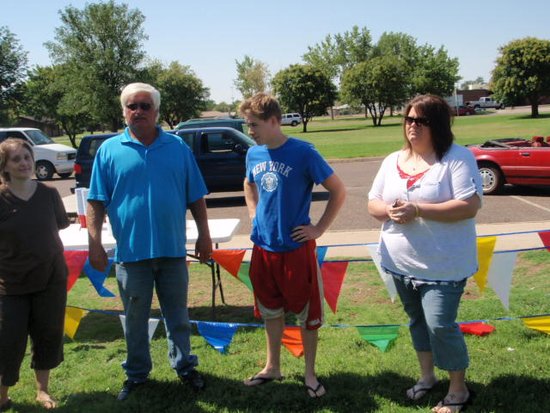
(516, 204)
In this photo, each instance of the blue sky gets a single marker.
(209, 35)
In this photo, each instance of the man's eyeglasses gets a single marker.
(417, 121)
(142, 105)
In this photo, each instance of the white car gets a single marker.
(50, 157)
(291, 119)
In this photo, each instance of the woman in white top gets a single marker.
(427, 196)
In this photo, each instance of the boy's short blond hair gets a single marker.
(261, 105)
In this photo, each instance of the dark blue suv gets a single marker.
(220, 153)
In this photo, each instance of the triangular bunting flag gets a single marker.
(485, 247)
(75, 263)
(98, 278)
(541, 323)
(73, 316)
(500, 275)
(545, 238)
(292, 340)
(230, 260)
(218, 335)
(379, 336)
(244, 275)
(153, 323)
(387, 278)
(477, 328)
(321, 253)
(333, 277)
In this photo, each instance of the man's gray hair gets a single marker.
(134, 88)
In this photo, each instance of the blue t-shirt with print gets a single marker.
(284, 177)
(146, 190)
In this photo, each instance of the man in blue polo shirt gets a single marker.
(144, 179)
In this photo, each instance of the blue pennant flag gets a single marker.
(321, 252)
(218, 335)
(98, 278)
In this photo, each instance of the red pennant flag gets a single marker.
(333, 278)
(230, 260)
(75, 263)
(479, 329)
(545, 237)
(292, 340)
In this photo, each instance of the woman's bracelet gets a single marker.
(417, 210)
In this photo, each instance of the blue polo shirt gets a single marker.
(146, 191)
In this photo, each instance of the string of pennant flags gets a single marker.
(495, 270)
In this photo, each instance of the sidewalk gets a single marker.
(352, 238)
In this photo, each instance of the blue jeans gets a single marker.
(136, 281)
(432, 309)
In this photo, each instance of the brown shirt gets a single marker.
(31, 252)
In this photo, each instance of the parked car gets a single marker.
(220, 153)
(291, 119)
(465, 111)
(235, 123)
(49, 157)
(514, 161)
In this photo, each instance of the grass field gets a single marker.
(355, 137)
(509, 368)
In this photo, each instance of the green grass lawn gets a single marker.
(509, 368)
(355, 137)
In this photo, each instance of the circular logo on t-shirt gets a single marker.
(270, 182)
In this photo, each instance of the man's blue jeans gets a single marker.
(136, 280)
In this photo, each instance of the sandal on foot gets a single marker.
(4, 407)
(318, 391)
(257, 380)
(455, 407)
(48, 403)
(419, 390)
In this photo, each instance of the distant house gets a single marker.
(46, 126)
(214, 114)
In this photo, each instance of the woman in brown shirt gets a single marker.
(33, 274)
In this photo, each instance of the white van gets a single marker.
(50, 157)
(292, 119)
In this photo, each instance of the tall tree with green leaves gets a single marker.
(183, 94)
(102, 47)
(337, 53)
(252, 77)
(378, 84)
(304, 89)
(435, 72)
(50, 94)
(523, 72)
(13, 67)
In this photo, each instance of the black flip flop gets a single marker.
(261, 380)
(462, 405)
(315, 390)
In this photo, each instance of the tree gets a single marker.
(523, 72)
(378, 84)
(13, 67)
(304, 89)
(435, 72)
(252, 77)
(183, 94)
(50, 93)
(102, 46)
(338, 53)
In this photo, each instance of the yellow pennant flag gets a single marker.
(73, 316)
(485, 247)
(538, 323)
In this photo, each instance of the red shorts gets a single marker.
(288, 282)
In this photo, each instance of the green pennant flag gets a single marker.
(243, 275)
(379, 336)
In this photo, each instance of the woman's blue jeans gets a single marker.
(136, 281)
(432, 309)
